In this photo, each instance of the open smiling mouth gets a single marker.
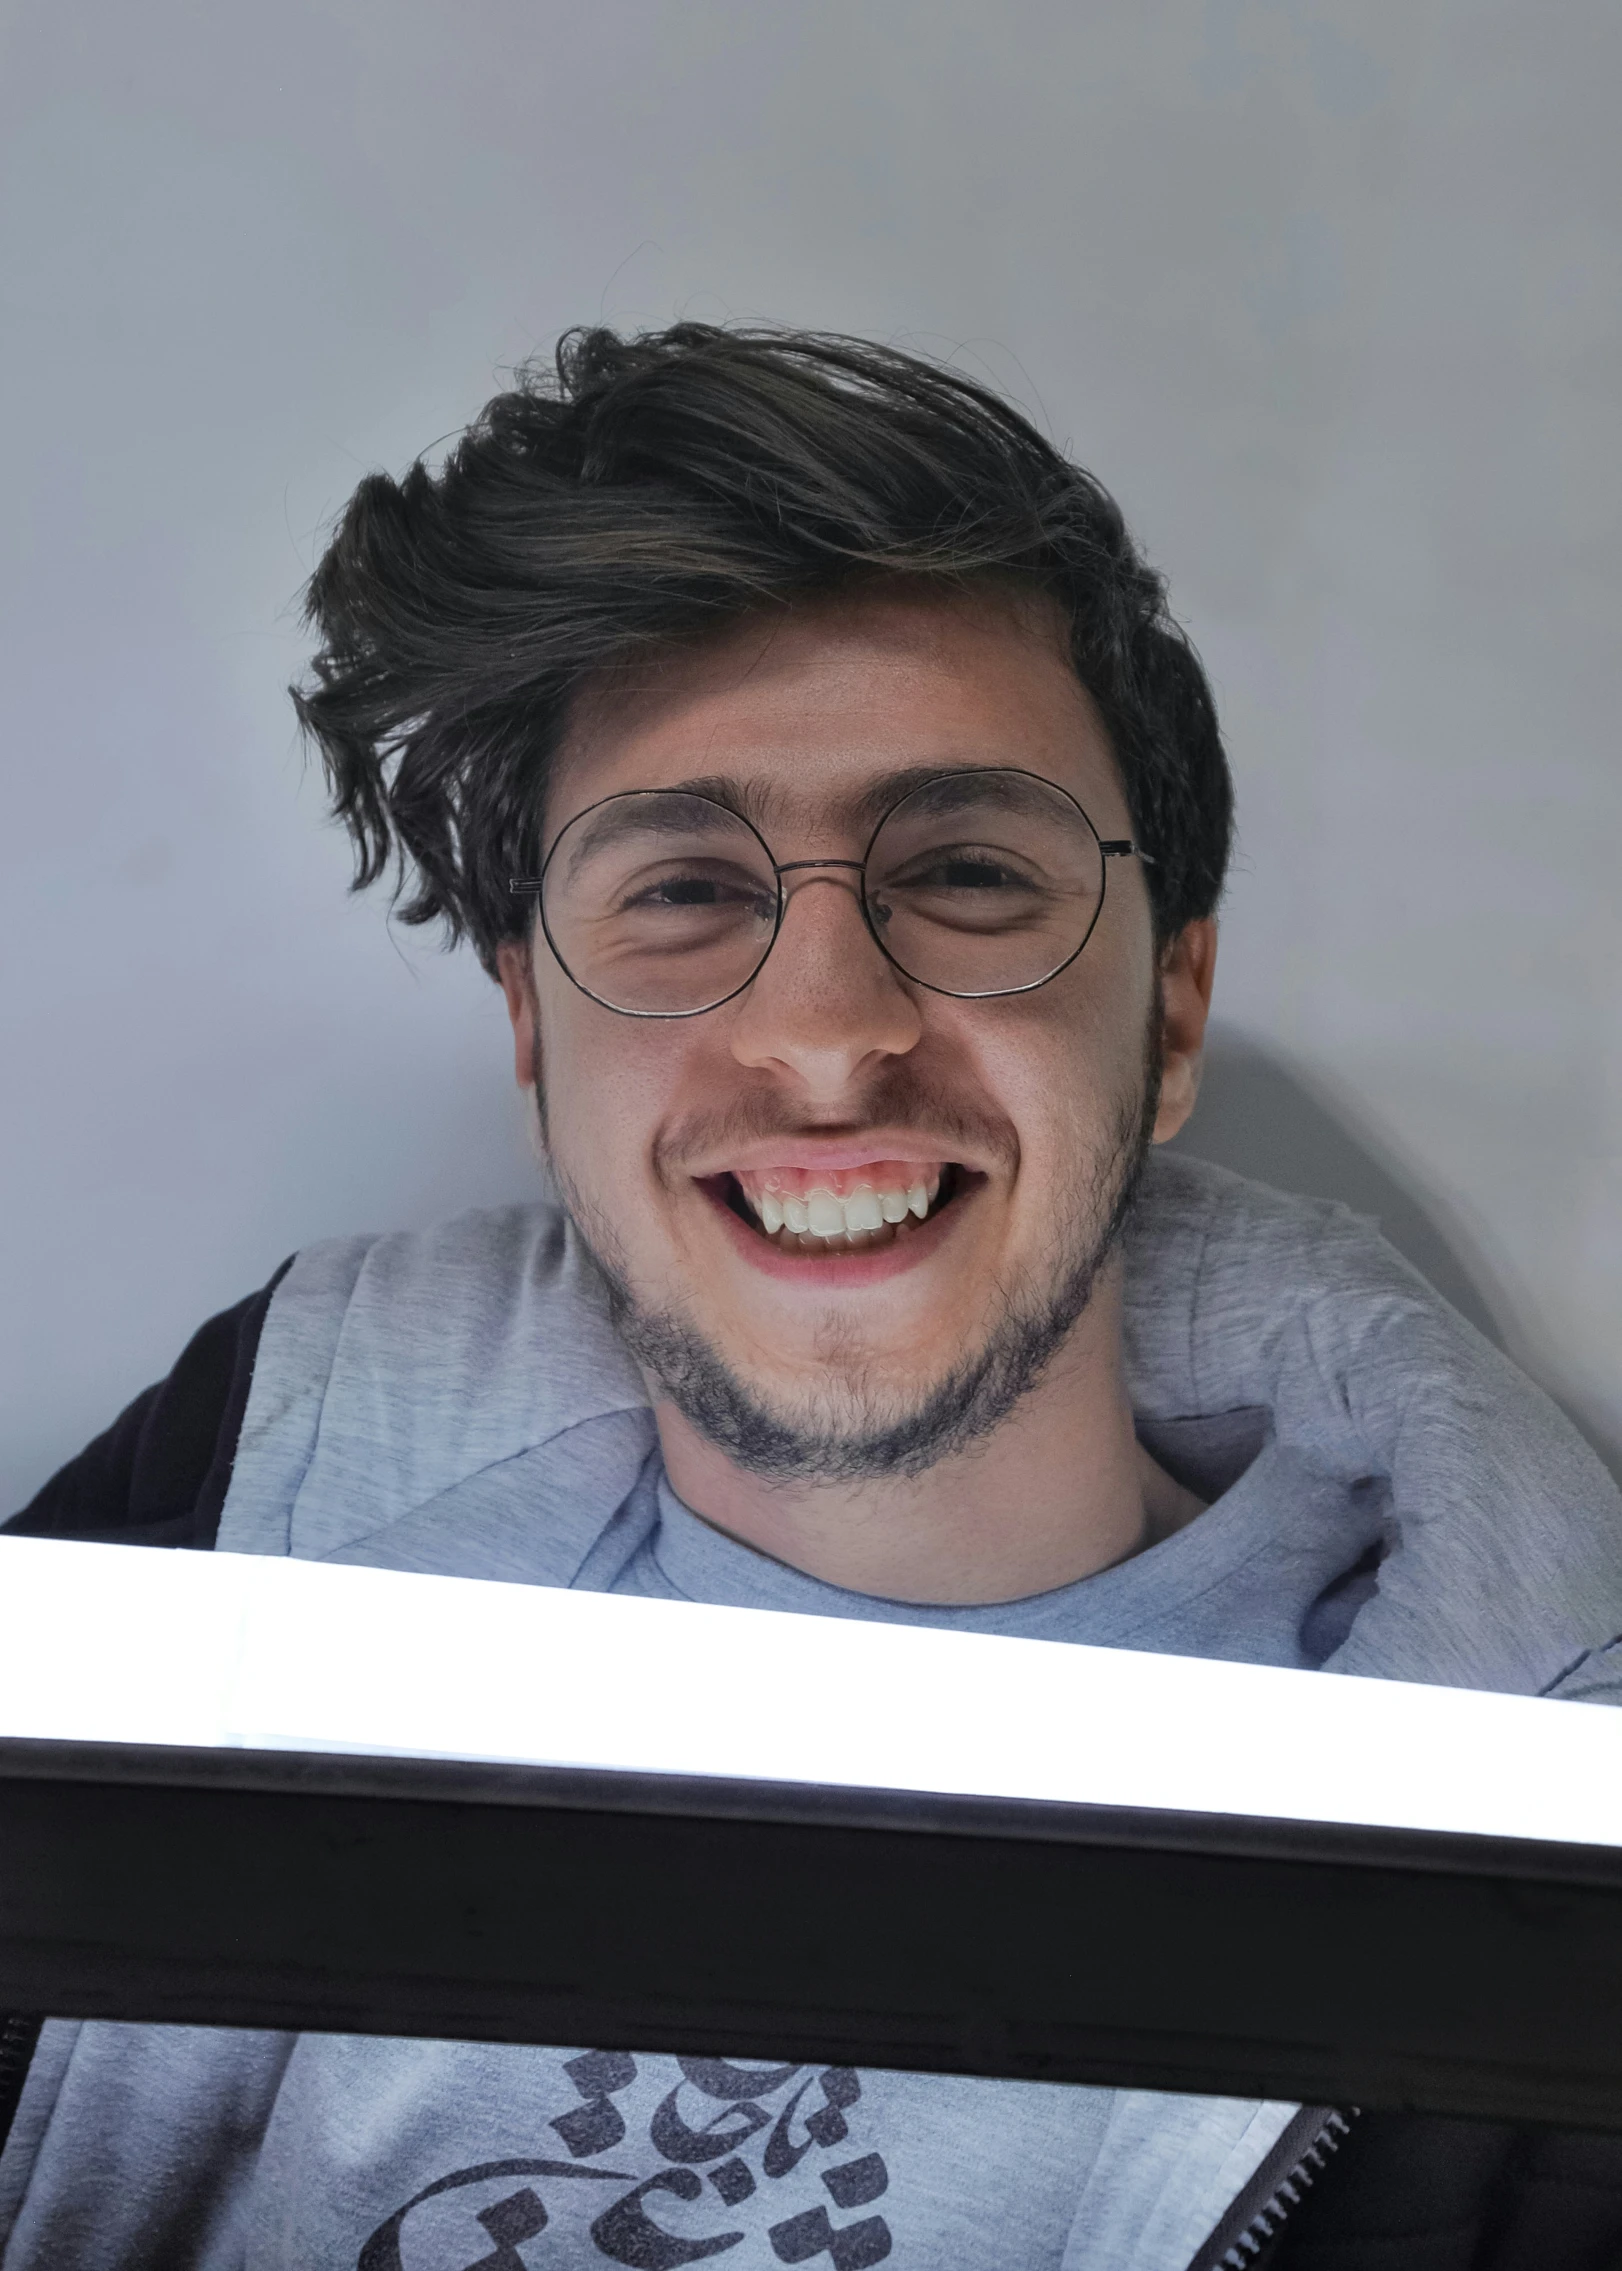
(844, 1211)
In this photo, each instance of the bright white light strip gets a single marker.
(106, 1644)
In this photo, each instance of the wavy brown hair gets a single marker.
(641, 491)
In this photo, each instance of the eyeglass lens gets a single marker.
(662, 903)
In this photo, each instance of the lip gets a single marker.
(830, 1272)
(865, 1151)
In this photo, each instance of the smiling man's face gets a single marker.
(750, 1179)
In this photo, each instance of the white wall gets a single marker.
(1327, 292)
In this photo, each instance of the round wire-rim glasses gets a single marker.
(954, 782)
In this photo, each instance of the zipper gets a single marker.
(1291, 2169)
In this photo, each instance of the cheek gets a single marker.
(1063, 1068)
(609, 1083)
(1071, 1041)
(589, 1113)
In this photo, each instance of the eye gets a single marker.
(965, 868)
(687, 891)
(965, 871)
(693, 889)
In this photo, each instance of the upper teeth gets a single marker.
(825, 1216)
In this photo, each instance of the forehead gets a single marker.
(801, 713)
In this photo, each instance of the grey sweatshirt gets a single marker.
(456, 1401)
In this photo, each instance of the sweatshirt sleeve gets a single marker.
(1503, 1566)
(158, 1476)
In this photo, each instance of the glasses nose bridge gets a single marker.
(816, 871)
(793, 867)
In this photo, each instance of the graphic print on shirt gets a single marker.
(758, 2158)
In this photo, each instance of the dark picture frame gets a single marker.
(1061, 1943)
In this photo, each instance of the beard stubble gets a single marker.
(855, 1431)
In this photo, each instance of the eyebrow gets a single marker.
(756, 800)
(613, 821)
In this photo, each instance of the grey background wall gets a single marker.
(1326, 289)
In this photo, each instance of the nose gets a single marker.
(825, 1005)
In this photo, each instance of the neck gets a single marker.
(1060, 1491)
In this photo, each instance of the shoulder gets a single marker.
(462, 1304)
(1504, 1559)
(393, 1370)
(1199, 1218)
(440, 1350)
(158, 1475)
(1223, 1274)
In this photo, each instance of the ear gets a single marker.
(518, 984)
(1187, 971)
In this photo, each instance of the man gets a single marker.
(805, 748)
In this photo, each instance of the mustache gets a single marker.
(895, 1100)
